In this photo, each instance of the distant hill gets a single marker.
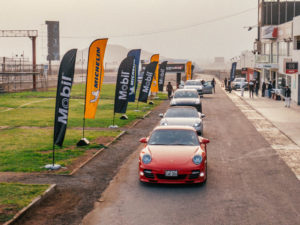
(114, 54)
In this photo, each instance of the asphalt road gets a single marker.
(248, 183)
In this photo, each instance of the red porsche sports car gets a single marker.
(173, 154)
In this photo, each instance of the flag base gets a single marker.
(53, 167)
(113, 126)
(124, 117)
(83, 142)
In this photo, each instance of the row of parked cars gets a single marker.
(175, 151)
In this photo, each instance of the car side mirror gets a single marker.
(205, 141)
(202, 115)
(161, 115)
(144, 140)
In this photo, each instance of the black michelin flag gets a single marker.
(64, 85)
(162, 75)
(123, 84)
(147, 80)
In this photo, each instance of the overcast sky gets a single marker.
(123, 22)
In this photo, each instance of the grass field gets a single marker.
(14, 197)
(28, 117)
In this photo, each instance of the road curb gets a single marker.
(240, 97)
(97, 153)
(100, 150)
(35, 202)
(266, 119)
(139, 120)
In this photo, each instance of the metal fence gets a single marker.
(18, 75)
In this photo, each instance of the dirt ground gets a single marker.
(76, 194)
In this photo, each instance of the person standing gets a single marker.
(229, 85)
(256, 88)
(169, 90)
(225, 83)
(251, 89)
(270, 89)
(263, 89)
(213, 84)
(287, 96)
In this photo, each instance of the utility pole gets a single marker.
(33, 63)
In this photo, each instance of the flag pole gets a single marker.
(83, 141)
(114, 119)
(53, 155)
(83, 127)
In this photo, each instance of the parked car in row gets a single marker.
(173, 154)
(186, 97)
(183, 115)
(194, 84)
(207, 88)
(238, 82)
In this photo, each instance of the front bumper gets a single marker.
(189, 176)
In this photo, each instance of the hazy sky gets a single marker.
(81, 21)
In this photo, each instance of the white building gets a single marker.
(279, 45)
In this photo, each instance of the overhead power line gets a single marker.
(171, 29)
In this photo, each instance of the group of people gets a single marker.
(265, 87)
(253, 86)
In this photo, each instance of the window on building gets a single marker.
(282, 48)
(267, 48)
(281, 81)
(297, 43)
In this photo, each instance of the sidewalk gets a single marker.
(287, 120)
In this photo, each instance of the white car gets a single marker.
(194, 84)
(237, 82)
(183, 116)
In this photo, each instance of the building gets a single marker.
(278, 44)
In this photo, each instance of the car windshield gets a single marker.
(238, 80)
(193, 82)
(174, 137)
(182, 112)
(186, 94)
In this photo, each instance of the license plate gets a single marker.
(171, 173)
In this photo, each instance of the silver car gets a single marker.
(194, 84)
(207, 88)
(186, 97)
(183, 115)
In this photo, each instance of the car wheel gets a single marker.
(200, 107)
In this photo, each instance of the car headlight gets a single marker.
(164, 124)
(197, 159)
(197, 101)
(146, 159)
(197, 125)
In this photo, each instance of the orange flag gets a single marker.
(95, 75)
(154, 85)
(189, 70)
